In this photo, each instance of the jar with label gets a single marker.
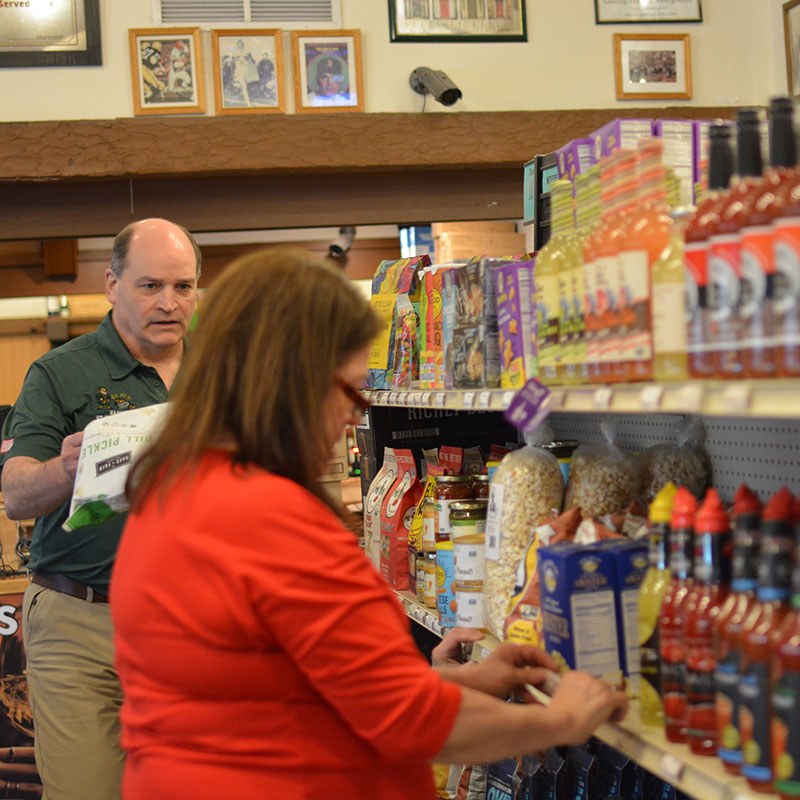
(468, 527)
(430, 592)
(469, 607)
(449, 488)
(480, 487)
(429, 517)
(419, 568)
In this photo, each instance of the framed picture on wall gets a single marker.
(652, 66)
(457, 21)
(791, 35)
(166, 69)
(615, 12)
(248, 71)
(327, 71)
(55, 34)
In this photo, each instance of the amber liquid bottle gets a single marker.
(720, 168)
(724, 262)
(756, 312)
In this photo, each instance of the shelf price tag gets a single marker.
(439, 399)
(602, 397)
(469, 399)
(737, 398)
(383, 398)
(485, 400)
(401, 398)
(426, 398)
(672, 767)
(690, 397)
(507, 398)
(557, 397)
(650, 398)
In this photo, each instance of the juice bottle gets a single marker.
(756, 312)
(549, 263)
(648, 233)
(696, 248)
(724, 262)
(651, 593)
(670, 356)
(712, 544)
(670, 626)
(728, 630)
(759, 639)
(786, 698)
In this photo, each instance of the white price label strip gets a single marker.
(602, 397)
(737, 399)
(557, 397)
(485, 400)
(401, 398)
(672, 767)
(383, 397)
(507, 398)
(690, 397)
(438, 399)
(650, 398)
(469, 399)
(426, 398)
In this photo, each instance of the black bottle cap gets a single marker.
(720, 156)
(782, 141)
(749, 163)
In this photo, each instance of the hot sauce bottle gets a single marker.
(760, 634)
(673, 610)
(720, 168)
(786, 698)
(728, 630)
(651, 593)
(724, 262)
(756, 315)
(712, 564)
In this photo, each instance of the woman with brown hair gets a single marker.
(260, 653)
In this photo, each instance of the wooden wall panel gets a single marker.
(17, 352)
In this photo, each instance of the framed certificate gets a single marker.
(59, 33)
(614, 12)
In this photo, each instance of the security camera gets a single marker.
(342, 243)
(425, 80)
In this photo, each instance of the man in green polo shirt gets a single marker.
(130, 361)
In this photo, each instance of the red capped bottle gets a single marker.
(673, 612)
(712, 570)
(759, 639)
(728, 629)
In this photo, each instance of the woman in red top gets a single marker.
(259, 652)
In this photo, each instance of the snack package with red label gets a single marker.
(452, 459)
(378, 489)
(397, 514)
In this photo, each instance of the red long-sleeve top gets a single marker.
(261, 655)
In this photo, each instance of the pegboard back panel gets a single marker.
(764, 453)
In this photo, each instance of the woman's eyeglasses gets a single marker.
(360, 403)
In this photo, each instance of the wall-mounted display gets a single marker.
(166, 69)
(248, 71)
(59, 33)
(457, 21)
(791, 33)
(614, 12)
(652, 66)
(327, 71)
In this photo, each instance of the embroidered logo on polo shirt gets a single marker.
(6, 445)
(115, 401)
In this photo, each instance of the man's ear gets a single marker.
(111, 285)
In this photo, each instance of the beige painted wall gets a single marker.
(737, 59)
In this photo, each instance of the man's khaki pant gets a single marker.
(75, 695)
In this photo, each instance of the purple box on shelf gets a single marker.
(619, 134)
(575, 157)
(678, 138)
(516, 322)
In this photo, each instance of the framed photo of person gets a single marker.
(166, 69)
(652, 66)
(457, 21)
(327, 71)
(791, 35)
(248, 71)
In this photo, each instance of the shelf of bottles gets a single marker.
(773, 398)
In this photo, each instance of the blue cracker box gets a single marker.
(619, 134)
(575, 158)
(631, 564)
(579, 608)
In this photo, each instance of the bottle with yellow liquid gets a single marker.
(546, 274)
(652, 591)
(670, 355)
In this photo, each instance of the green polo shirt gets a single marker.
(91, 376)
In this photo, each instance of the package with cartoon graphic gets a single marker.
(397, 514)
(376, 494)
(516, 323)
(110, 446)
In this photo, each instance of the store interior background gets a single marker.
(737, 55)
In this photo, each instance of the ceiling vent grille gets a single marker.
(283, 13)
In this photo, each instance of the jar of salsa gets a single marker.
(449, 489)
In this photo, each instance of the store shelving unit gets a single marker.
(777, 398)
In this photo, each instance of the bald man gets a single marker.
(130, 361)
